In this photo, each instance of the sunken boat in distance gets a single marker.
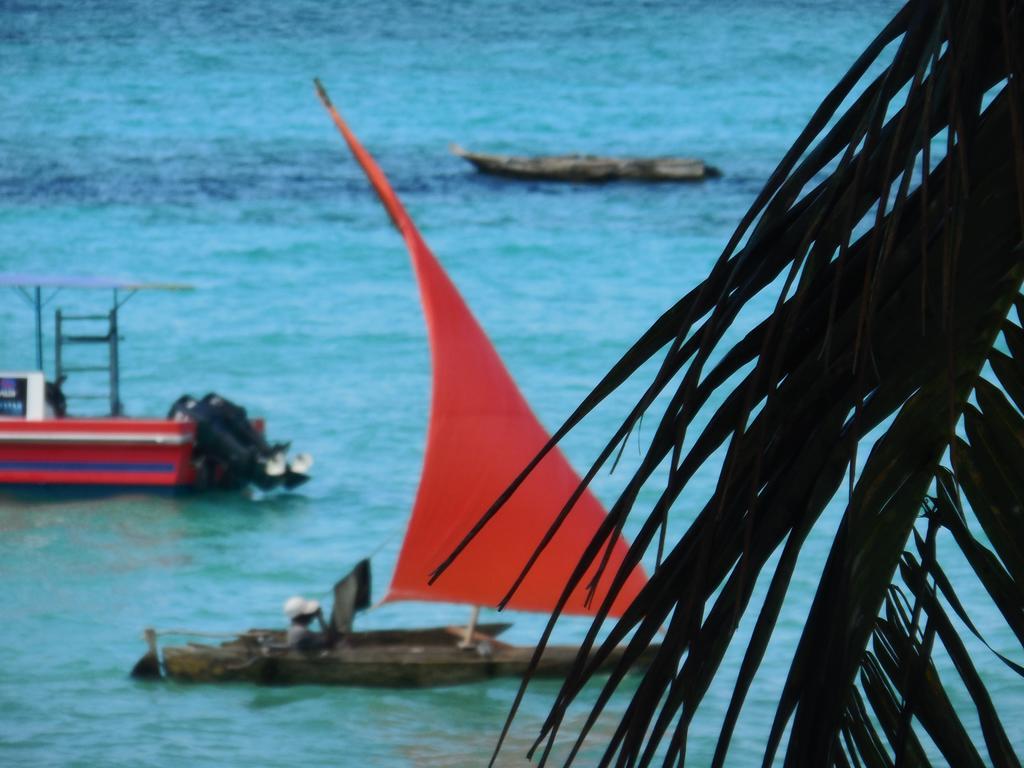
(589, 168)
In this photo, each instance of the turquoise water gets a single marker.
(183, 142)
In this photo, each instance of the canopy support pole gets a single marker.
(467, 639)
(39, 328)
(115, 367)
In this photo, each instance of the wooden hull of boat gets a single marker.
(410, 659)
(589, 168)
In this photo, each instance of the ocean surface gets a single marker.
(183, 142)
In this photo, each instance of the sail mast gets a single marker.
(481, 433)
(467, 638)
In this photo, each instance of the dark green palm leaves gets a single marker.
(892, 235)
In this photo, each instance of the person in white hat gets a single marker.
(301, 613)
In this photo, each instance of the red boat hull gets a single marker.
(153, 454)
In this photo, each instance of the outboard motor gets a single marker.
(230, 452)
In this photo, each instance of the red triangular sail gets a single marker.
(481, 434)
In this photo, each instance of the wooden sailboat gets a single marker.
(481, 433)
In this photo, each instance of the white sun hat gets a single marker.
(300, 606)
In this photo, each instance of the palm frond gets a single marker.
(895, 231)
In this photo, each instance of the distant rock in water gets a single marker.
(590, 168)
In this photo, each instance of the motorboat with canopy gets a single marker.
(45, 447)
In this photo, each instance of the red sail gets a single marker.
(481, 434)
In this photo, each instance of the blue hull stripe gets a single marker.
(48, 492)
(85, 466)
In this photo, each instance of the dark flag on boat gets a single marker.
(351, 594)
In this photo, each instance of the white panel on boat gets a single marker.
(22, 395)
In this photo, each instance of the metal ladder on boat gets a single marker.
(99, 330)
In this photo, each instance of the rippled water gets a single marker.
(183, 142)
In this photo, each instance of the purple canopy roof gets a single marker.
(26, 280)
